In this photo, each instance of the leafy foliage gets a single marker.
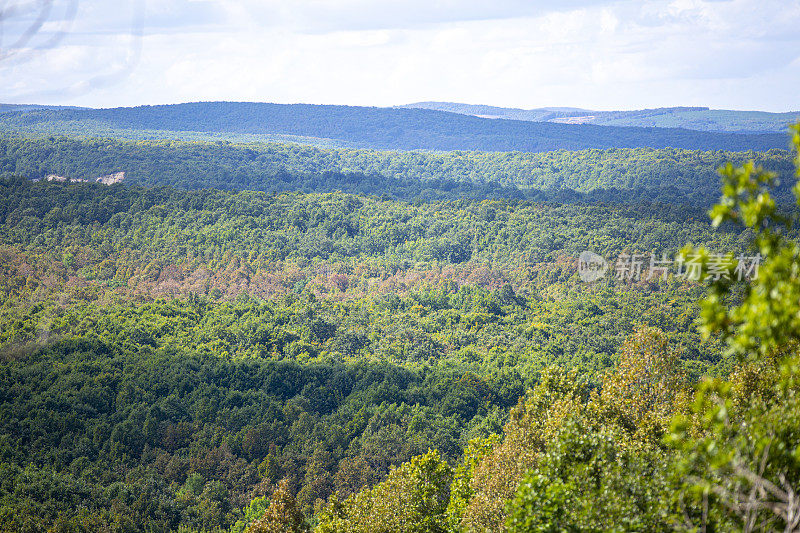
(461, 490)
(740, 449)
(412, 498)
(282, 515)
(593, 480)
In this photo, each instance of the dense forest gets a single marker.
(200, 348)
(372, 127)
(217, 361)
(614, 175)
(426, 322)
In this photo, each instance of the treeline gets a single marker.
(616, 175)
(370, 127)
(95, 223)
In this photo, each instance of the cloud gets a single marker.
(321, 16)
(593, 54)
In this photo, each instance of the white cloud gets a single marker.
(595, 54)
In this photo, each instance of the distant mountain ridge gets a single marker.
(696, 118)
(693, 118)
(368, 127)
(542, 114)
(8, 108)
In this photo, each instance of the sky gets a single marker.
(593, 54)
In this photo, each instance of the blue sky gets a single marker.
(733, 54)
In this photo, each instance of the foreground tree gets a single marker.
(741, 446)
(533, 423)
(412, 499)
(604, 468)
(593, 479)
(282, 514)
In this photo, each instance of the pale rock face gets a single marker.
(56, 177)
(111, 179)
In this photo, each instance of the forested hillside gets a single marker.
(169, 356)
(617, 175)
(264, 337)
(372, 127)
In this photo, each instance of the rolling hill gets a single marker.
(693, 118)
(618, 174)
(367, 127)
